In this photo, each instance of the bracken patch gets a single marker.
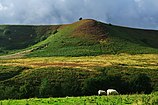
(92, 29)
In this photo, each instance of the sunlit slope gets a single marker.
(80, 38)
(90, 37)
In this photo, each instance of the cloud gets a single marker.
(2, 8)
(134, 13)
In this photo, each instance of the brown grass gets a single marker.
(132, 61)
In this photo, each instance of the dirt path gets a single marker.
(16, 55)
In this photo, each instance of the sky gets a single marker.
(131, 13)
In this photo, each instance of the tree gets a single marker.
(26, 90)
(80, 18)
(140, 83)
(56, 90)
(44, 89)
(91, 86)
(71, 85)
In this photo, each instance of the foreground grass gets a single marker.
(151, 99)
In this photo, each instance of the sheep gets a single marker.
(112, 92)
(101, 92)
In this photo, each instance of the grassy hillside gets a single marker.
(85, 37)
(89, 37)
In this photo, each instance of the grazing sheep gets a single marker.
(101, 92)
(112, 92)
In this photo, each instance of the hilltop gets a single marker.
(82, 38)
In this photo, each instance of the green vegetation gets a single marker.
(151, 99)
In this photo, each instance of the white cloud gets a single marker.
(2, 8)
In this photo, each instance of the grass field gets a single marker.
(151, 99)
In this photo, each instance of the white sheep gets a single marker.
(112, 92)
(101, 92)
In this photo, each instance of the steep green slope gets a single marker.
(89, 37)
(73, 40)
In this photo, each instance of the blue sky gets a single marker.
(133, 13)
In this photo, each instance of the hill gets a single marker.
(85, 37)
(89, 37)
(76, 59)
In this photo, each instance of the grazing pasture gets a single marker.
(151, 99)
